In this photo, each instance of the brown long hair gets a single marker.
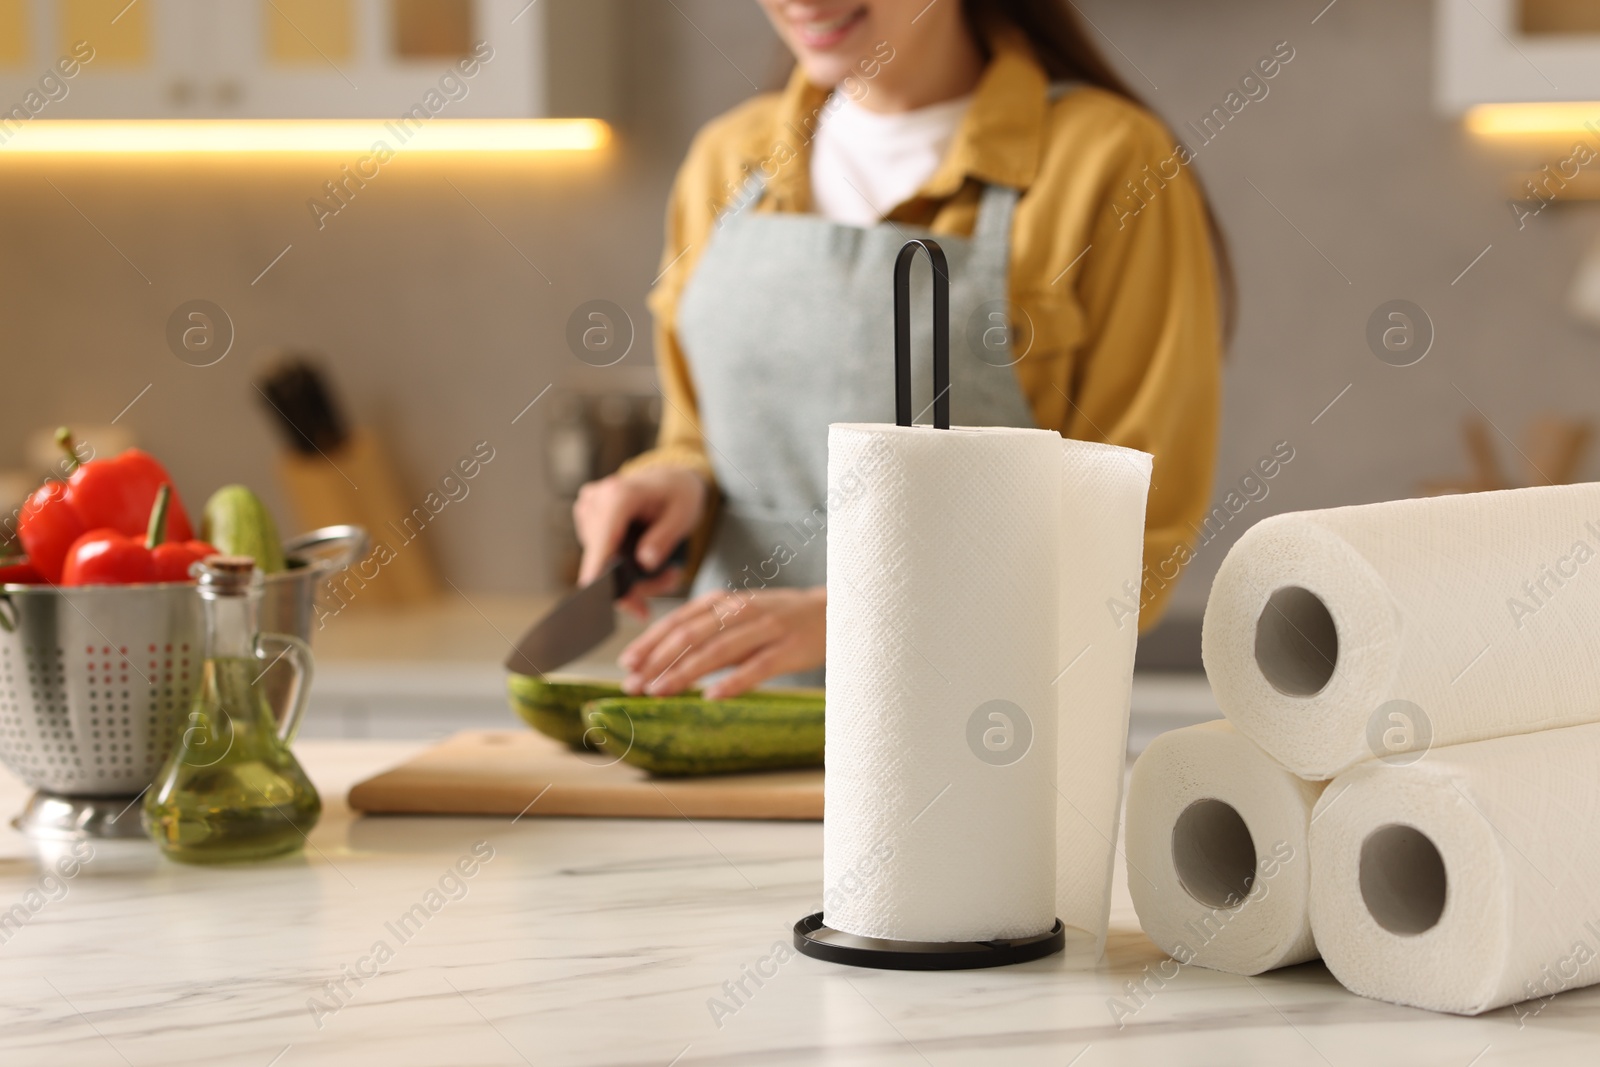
(1055, 32)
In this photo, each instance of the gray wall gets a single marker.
(439, 332)
(1347, 146)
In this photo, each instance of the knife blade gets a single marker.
(588, 616)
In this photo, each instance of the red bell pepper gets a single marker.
(16, 570)
(109, 557)
(120, 492)
(47, 528)
(170, 562)
(114, 494)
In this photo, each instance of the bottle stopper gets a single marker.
(225, 575)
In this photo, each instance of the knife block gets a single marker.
(355, 483)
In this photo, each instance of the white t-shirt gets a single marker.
(864, 164)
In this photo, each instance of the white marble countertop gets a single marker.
(603, 942)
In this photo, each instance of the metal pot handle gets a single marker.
(338, 545)
(298, 655)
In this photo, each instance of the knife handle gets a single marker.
(629, 572)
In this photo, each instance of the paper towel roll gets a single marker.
(1103, 493)
(1334, 636)
(950, 557)
(1468, 881)
(1219, 866)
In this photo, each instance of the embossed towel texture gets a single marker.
(1468, 617)
(1219, 864)
(1436, 660)
(1468, 880)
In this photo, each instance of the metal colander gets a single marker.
(94, 680)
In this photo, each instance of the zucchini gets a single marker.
(675, 736)
(554, 706)
(236, 523)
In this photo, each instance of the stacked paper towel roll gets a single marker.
(1467, 881)
(967, 568)
(1218, 857)
(1435, 659)
(1474, 609)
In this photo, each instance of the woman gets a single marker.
(1084, 298)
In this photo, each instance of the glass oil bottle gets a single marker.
(232, 790)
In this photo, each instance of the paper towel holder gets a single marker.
(811, 936)
(821, 942)
(941, 332)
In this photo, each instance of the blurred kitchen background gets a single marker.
(438, 301)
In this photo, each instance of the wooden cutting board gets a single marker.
(513, 772)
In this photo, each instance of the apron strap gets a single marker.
(750, 194)
(996, 205)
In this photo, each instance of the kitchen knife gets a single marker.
(587, 617)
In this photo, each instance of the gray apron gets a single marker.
(787, 326)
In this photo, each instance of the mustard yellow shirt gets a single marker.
(1110, 259)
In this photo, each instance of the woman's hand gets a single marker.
(671, 500)
(766, 632)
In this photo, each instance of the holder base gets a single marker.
(52, 817)
(821, 942)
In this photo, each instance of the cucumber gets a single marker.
(677, 736)
(554, 706)
(237, 523)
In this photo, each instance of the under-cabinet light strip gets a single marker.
(135, 136)
(1536, 119)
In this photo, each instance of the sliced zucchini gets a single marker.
(554, 706)
(689, 735)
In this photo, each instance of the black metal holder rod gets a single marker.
(941, 332)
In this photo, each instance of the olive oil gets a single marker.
(231, 789)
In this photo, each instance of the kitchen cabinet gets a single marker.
(323, 59)
(1515, 51)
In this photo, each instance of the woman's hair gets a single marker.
(1056, 34)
